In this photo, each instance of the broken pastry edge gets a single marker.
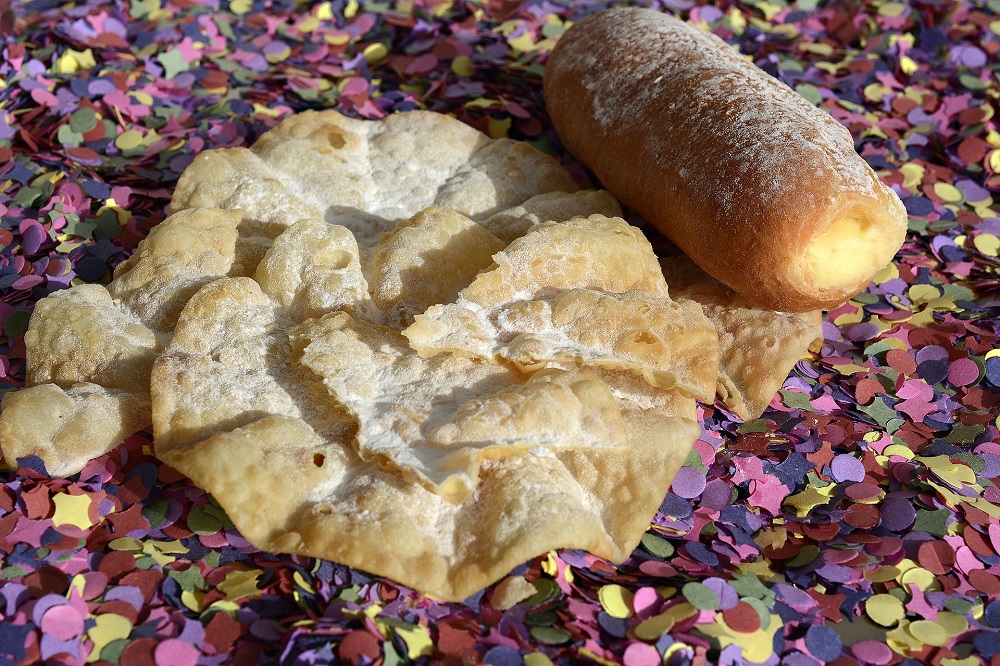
(308, 531)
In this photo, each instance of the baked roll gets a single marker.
(763, 190)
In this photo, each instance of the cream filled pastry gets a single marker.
(761, 189)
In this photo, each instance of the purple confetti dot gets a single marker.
(32, 235)
(931, 353)
(718, 494)
(863, 331)
(898, 514)
(688, 483)
(847, 468)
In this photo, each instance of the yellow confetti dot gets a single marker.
(72, 61)
(418, 641)
(891, 9)
(883, 574)
(108, 627)
(971, 660)
(898, 450)
(72, 510)
(952, 623)
(987, 244)
(193, 600)
(240, 7)
(654, 627)
(308, 24)
(929, 633)
(908, 65)
(522, 43)
(537, 659)
(913, 175)
(890, 272)
(462, 65)
(616, 601)
(948, 192)
(885, 609)
(921, 293)
(918, 576)
(550, 566)
(375, 52)
(125, 543)
(129, 139)
(324, 11)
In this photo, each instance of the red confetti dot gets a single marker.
(357, 644)
(901, 360)
(936, 556)
(742, 617)
(985, 582)
(116, 563)
(139, 652)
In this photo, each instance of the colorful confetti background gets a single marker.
(857, 522)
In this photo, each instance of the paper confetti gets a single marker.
(856, 522)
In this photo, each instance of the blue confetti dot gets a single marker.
(501, 655)
(823, 642)
(919, 205)
(993, 371)
(933, 372)
(987, 643)
(992, 614)
(617, 627)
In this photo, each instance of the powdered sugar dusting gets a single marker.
(742, 119)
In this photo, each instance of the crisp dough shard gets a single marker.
(438, 419)
(597, 252)
(79, 405)
(182, 253)
(531, 310)
(758, 346)
(288, 489)
(427, 259)
(96, 345)
(513, 223)
(367, 175)
(312, 268)
(69, 427)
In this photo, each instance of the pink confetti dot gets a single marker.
(175, 652)
(641, 654)
(63, 623)
(963, 372)
(872, 652)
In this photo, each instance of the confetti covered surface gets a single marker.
(856, 522)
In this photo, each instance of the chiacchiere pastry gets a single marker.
(760, 188)
(433, 376)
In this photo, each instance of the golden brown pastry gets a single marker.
(762, 189)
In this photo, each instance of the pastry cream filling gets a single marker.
(849, 250)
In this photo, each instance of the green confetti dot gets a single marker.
(69, 137)
(83, 120)
(658, 546)
(113, 651)
(16, 324)
(551, 635)
(546, 590)
(203, 522)
(156, 512)
(701, 596)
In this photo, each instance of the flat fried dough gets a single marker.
(588, 307)
(758, 346)
(367, 175)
